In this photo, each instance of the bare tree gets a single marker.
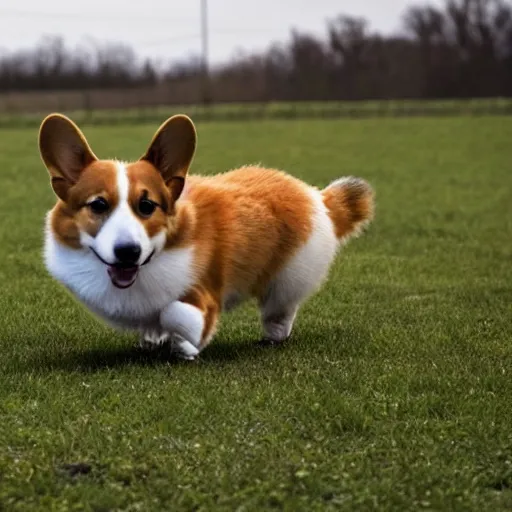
(462, 49)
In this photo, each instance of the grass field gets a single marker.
(395, 392)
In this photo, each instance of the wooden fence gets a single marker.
(155, 104)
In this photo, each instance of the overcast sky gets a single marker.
(169, 29)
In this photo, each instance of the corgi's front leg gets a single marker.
(152, 339)
(190, 323)
(185, 321)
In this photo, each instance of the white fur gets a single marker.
(164, 280)
(301, 276)
(183, 348)
(279, 328)
(153, 338)
(183, 319)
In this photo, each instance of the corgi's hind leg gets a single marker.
(300, 277)
(277, 322)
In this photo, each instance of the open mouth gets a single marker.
(123, 276)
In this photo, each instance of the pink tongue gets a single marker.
(122, 276)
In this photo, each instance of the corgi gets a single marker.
(147, 247)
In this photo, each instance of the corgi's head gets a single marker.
(122, 213)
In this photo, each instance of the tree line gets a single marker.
(461, 50)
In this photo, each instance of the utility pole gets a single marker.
(207, 99)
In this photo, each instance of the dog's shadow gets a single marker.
(87, 359)
(126, 353)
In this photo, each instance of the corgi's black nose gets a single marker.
(127, 253)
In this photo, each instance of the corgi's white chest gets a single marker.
(165, 279)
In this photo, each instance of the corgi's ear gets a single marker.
(171, 151)
(64, 151)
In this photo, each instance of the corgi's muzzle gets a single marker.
(124, 271)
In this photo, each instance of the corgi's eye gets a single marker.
(146, 207)
(99, 205)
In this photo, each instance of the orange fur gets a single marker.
(350, 205)
(210, 307)
(70, 216)
(248, 223)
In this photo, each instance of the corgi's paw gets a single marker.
(185, 322)
(268, 342)
(152, 340)
(183, 348)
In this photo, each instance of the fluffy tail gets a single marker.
(350, 204)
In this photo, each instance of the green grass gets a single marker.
(395, 392)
